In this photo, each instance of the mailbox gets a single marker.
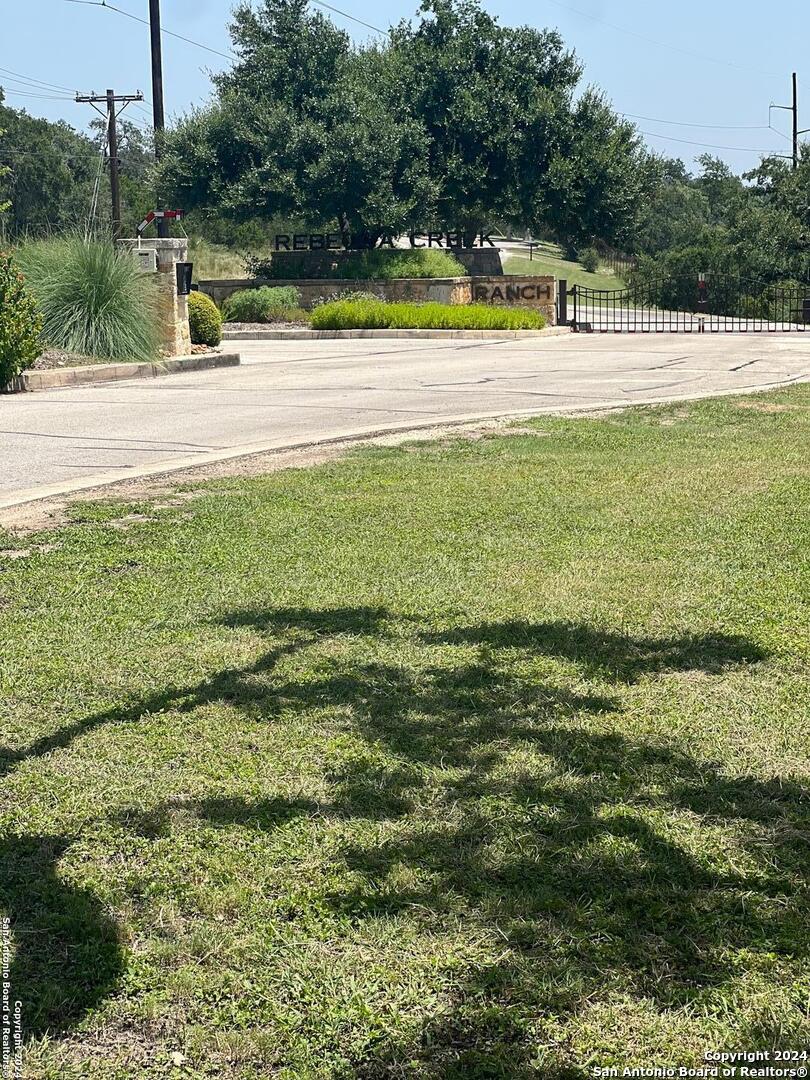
(184, 271)
(146, 259)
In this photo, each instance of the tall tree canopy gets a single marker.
(454, 122)
(756, 227)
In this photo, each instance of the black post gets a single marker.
(795, 122)
(562, 302)
(157, 93)
(115, 189)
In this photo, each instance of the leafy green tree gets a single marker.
(755, 228)
(507, 142)
(454, 122)
(598, 179)
(490, 100)
(724, 192)
(53, 170)
(301, 128)
(675, 214)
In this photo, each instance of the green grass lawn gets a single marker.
(464, 759)
(548, 259)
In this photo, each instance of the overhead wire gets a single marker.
(40, 82)
(614, 26)
(686, 123)
(145, 22)
(664, 44)
(709, 146)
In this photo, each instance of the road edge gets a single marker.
(441, 335)
(111, 479)
(53, 378)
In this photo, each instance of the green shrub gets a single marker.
(204, 320)
(376, 264)
(348, 294)
(589, 260)
(93, 298)
(376, 315)
(261, 305)
(20, 323)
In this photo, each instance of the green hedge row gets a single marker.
(376, 315)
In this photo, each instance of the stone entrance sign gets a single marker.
(513, 290)
(539, 293)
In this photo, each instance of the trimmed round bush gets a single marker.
(204, 320)
(20, 323)
(93, 298)
(377, 315)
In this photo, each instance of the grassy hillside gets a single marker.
(548, 259)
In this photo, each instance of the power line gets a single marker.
(40, 82)
(41, 97)
(663, 44)
(685, 123)
(145, 22)
(708, 146)
(346, 15)
(30, 87)
(199, 44)
(111, 99)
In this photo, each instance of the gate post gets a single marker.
(562, 302)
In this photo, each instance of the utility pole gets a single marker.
(795, 122)
(111, 99)
(794, 110)
(159, 119)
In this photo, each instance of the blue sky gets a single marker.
(695, 62)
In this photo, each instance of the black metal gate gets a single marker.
(695, 304)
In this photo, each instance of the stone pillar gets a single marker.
(175, 339)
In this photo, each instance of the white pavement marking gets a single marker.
(306, 392)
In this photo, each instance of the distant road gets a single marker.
(296, 392)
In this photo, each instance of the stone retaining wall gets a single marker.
(538, 292)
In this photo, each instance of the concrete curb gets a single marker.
(359, 435)
(441, 335)
(103, 373)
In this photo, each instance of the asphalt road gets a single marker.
(288, 393)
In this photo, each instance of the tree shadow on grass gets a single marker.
(230, 685)
(578, 871)
(67, 953)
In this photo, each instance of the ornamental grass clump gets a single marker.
(377, 315)
(93, 298)
(20, 323)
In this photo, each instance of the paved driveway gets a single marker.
(296, 392)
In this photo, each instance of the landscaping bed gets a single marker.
(378, 315)
(460, 759)
(52, 359)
